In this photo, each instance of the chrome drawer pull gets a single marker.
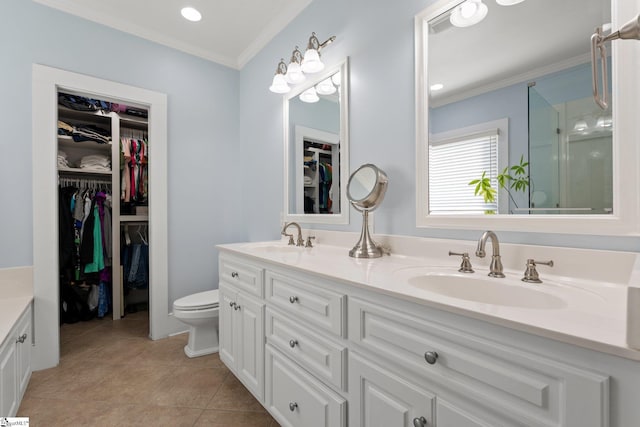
(292, 406)
(293, 343)
(21, 338)
(420, 422)
(234, 274)
(232, 304)
(293, 300)
(431, 357)
(237, 307)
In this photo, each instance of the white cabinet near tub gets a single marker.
(242, 325)
(15, 364)
(335, 354)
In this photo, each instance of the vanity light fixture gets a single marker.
(294, 70)
(299, 65)
(468, 13)
(580, 126)
(309, 96)
(191, 14)
(279, 84)
(604, 122)
(311, 62)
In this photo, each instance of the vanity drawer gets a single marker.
(242, 275)
(295, 398)
(305, 300)
(319, 355)
(533, 389)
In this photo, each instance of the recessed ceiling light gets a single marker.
(191, 14)
(437, 86)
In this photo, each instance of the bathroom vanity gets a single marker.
(322, 339)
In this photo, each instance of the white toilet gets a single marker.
(200, 312)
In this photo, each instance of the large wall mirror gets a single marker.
(317, 148)
(508, 133)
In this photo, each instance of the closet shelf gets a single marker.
(68, 142)
(79, 171)
(134, 218)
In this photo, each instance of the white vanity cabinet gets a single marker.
(328, 346)
(15, 364)
(476, 382)
(241, 320)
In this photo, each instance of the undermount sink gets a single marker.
(486, 290)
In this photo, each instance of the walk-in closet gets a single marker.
(102, 165)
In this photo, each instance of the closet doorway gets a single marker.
(47, 83)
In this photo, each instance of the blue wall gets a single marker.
(203, 105)
(378, 36)
(225, 127)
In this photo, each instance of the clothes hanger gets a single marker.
(127, 238)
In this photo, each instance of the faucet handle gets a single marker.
(290, 236)
(308, 244)
(531, 274)
(465, 266)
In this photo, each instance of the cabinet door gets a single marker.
(8, 378)
(380, 398)
(297, 399)
(250, 337)
(23, 350)
(228, 350)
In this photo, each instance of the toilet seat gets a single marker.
(200, 301)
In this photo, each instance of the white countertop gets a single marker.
(16, 293)
(593, 314)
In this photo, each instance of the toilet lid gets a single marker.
(199, 301)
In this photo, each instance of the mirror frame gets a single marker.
(625, 219)
(343, 216)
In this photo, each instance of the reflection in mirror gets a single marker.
(561, 164)
(556, 157)
(316, 148)
(366, 189)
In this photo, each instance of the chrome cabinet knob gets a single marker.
(420, 422)
(236, 307)
(431, 357)
(232, 304)
(234, 274)
(293, 343)
(293, 300)
(21, 338)
(292, 406)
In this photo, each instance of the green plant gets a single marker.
(511, 178)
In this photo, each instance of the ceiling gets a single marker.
(231, 32)
(512, 44)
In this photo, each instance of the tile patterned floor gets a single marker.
(111, 374)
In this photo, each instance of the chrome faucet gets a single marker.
(299, 240)
(495, 268)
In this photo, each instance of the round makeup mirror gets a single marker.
(365, 190)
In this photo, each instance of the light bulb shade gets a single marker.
(311, 62)
(604, 122)
(294, 74)
(325, 87)
(508, 2)
(279, 84)
(468, 13)
(309, 96)
(337, 79)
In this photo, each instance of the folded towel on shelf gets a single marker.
(308, 180)
(96, 162)
(62, 159)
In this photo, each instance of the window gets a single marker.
(460, 156)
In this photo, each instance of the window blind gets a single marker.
(453, 164)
